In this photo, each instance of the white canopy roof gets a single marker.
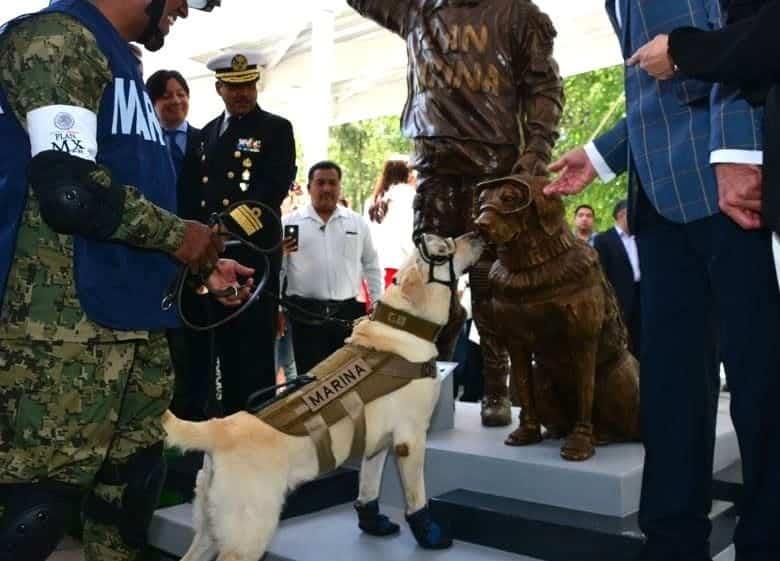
(364, 64)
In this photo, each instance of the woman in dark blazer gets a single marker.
(745, 54)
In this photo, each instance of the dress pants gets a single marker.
(246, 350)
(191, 355)
(707, 293)
(315, 340)
(634, 323)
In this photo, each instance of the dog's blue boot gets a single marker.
(428, 533)
(373, 523)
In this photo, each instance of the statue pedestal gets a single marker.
(475, 458)
(529, 501)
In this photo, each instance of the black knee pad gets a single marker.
(35, 518)
(144, 474)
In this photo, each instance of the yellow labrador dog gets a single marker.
(250, 466)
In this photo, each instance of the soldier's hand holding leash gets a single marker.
(200, 248)
(224, 283)
(229, 282)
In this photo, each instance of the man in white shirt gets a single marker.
(620, 262)
(323, 268)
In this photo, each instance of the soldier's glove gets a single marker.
(200, 248)
(531, 164)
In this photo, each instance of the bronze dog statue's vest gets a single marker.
(345, 383)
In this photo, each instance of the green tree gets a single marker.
(594, 103)
(361, 149)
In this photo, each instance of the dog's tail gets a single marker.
(188, 435)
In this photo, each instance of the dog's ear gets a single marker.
(412, 284)
(550, 210)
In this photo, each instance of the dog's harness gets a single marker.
(344, 383)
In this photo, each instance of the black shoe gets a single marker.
(428, 533)
(373, 523)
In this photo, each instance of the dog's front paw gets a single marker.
(578, 446)
(373, 523)
(524, 435)
(428, 533)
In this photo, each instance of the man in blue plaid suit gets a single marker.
(708, 291)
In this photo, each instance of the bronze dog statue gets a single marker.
(568, 345)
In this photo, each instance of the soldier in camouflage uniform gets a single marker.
(84, 372)
(485, 99)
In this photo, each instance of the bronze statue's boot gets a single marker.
(496, 406)
(578, 446)
(496, 411)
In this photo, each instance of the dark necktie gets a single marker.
(177, 155)
(225, 125)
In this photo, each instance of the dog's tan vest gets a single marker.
(345, 383)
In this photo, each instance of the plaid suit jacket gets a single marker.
(671, 128)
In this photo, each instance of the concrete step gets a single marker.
(333, 534)
(556, 534)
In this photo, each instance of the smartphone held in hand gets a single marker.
(291, 233)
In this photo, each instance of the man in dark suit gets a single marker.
(745, 55)
(620, 261)
(708, 290)
(245, 154)
(170, 95)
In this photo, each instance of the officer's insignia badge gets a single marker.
(249, 145)
(248, 219)
(239, 63)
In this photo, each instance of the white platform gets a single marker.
(333, 535)
(330, 535)
(467, 457)
(443, 417)
(475, 458)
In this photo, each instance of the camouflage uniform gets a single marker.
(74, 395)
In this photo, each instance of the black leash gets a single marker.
(254, 403)
(234, 238)
(187, 278)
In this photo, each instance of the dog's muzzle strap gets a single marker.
(433, 262)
